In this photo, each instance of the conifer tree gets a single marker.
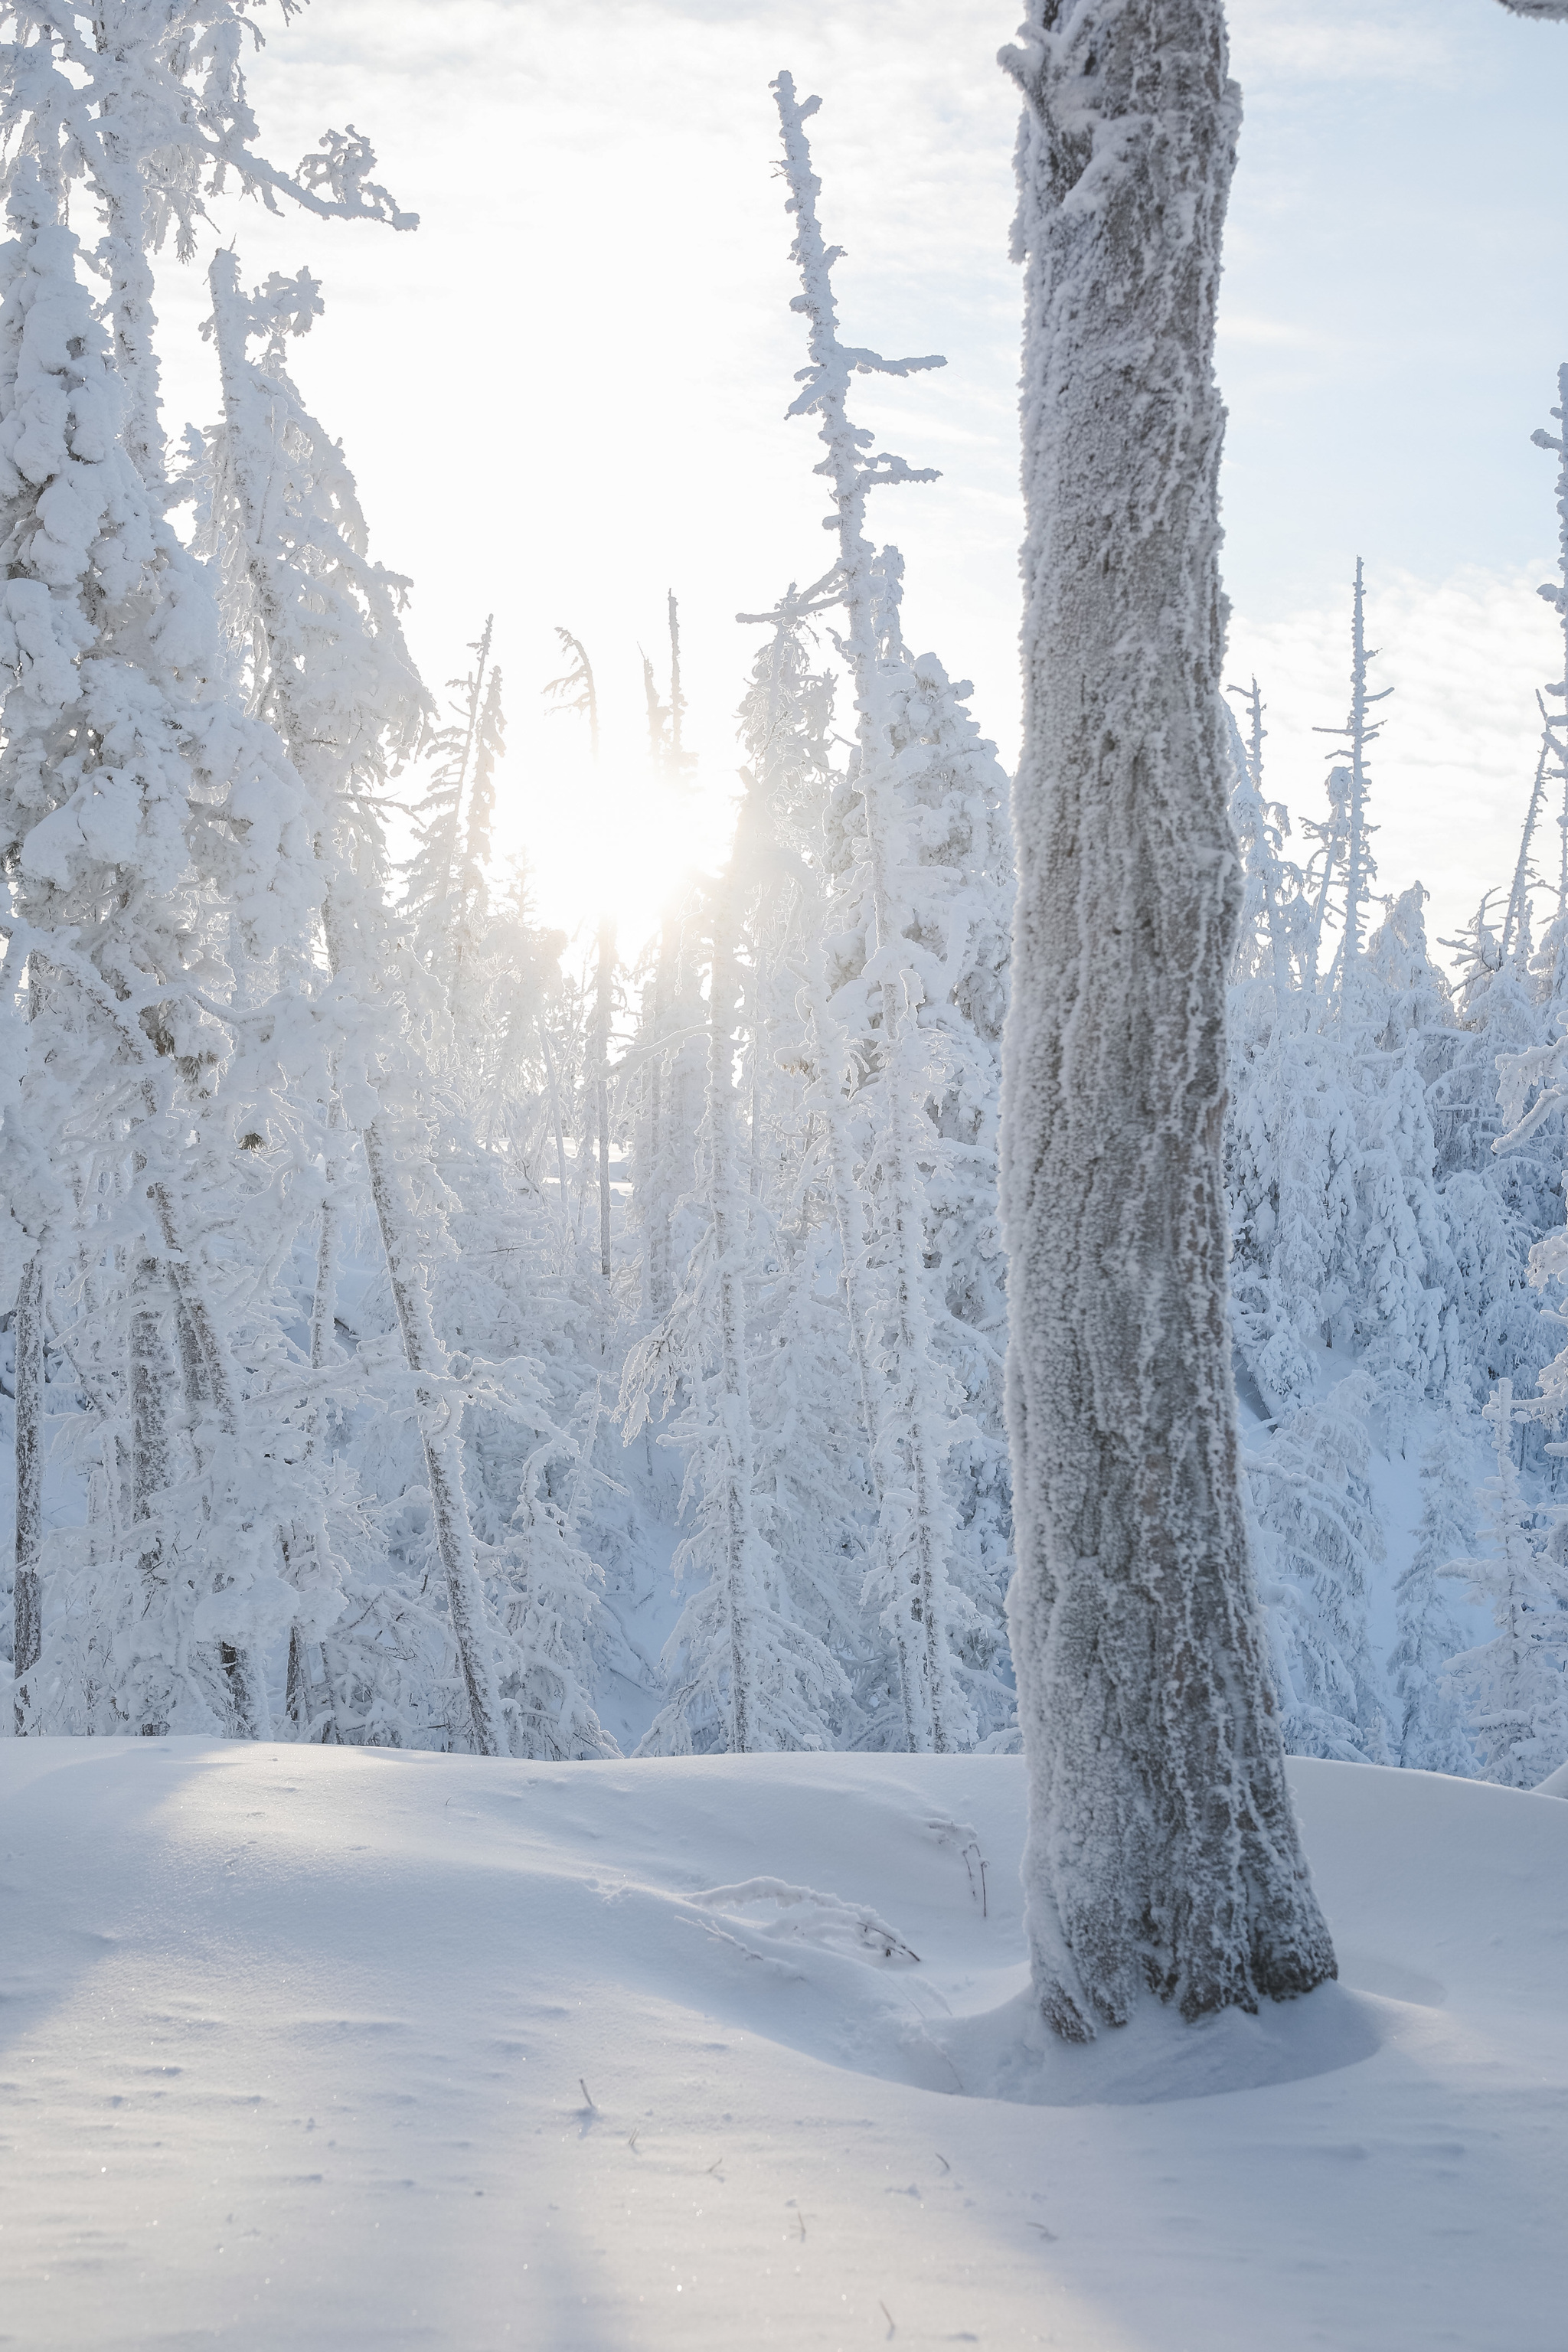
(575, 689)
(745, 1675)
(914, 1398)
(145, 100)
(1321, 1541)
(334, 675)
(1430, 1728)
(1517, 1683)
(136, 799)
(446, 887)
(1280, 1126)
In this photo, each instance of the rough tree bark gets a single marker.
(27, 1607)
(1163, 1852)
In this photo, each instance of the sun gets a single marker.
(605, 836)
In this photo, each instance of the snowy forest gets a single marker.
(425, 1330)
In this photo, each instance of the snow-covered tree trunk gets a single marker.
(442, 1442)
(27, 1597)
(149, 1377)
(729, 1207)
(604, 998)
(660, 1278)
(324, 1296)
(441, 1437)
(848, 1212)
(1163, 1852)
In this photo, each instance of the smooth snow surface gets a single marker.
(346, 2048)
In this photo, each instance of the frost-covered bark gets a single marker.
(27, 1591)
(1163, 1852)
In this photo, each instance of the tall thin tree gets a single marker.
(914, 1402)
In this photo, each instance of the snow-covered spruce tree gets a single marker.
(946, 868)
(746, 1677)
(136, 802)
(1163, 1852)
(1351, 838)
(1430, 1727)
(914, 1396)
(599, 1080)
(1554, 724)
(1406, 1274)
(786, 725)
(574, 691)
(1320, 1543)
(1386, 1265)
(1517, 1686)
(668, 1056)
(953, 894)
(1499, 1195)
(810, 1382)
(1286, 1115)
(331, 672)
(446, 891)
(145, 100)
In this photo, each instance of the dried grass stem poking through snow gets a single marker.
(823, 1918)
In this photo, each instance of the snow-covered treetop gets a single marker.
(850, 464)
(575, 689)
(145, 102)
(160, 82)
(327, 662)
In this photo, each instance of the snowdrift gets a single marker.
(352, 2049)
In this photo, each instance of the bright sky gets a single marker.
(565, 393)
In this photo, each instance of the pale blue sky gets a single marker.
(566, 392)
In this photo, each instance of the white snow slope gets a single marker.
(298, 2047)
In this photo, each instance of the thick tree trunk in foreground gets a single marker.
(28, 1608)
(1162, 1851)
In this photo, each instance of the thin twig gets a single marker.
(887, 2316)
(943, 2161)
(587, 2094)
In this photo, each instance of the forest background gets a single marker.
(707, 1229)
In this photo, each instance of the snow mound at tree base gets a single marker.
(350, 2049)
(1013, 2053)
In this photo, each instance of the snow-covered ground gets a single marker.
(348, 2049)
